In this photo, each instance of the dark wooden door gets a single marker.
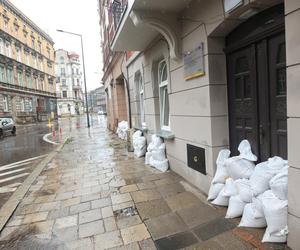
(243, 98)
(257, 97)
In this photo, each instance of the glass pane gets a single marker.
(163, 76)
(166, 111)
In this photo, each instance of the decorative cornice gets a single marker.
(25, 19)
(161, 24)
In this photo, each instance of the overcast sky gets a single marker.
(74, 16)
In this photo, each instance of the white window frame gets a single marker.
(22, 104)
(10, 75)
(18, 52)
(27, 56)
(20, 78)
(2, 74)
(5, 103)
(163, 86)
(8, 49)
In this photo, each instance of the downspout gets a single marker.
(128, 91)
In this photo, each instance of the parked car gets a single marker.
(100, 112)
(7, 125)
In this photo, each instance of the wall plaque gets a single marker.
(194, 63)
(230, 5)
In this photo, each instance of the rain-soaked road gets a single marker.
(20, 154)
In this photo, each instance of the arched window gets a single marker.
(163, 95)
(62, 60)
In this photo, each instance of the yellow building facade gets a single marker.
(27, 77)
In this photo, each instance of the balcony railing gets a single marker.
(25, 89)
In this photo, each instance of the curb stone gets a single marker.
(10, 206)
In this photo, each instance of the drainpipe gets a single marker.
(128, 91)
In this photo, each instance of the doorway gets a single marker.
(256, 63)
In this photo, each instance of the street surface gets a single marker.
(21, 153)
(96, 195)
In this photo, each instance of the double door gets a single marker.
(257, 97)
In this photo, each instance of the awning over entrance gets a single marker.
(144, 20)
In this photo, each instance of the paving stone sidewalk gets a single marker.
(96, 195)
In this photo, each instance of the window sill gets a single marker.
(144, 130)
(165, 134)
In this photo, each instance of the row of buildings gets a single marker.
(204, 75)
(36, 82)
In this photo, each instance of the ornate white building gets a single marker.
(68, 83)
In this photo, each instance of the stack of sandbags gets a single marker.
(236, 191)
(269, 206)
(156, 154)
(121, 130)
(139, 144)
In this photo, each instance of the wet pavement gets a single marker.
(20, 154)
(96, 195)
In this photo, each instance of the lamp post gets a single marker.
(85, 89)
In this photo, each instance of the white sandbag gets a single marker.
(279, 184)
(121, 130)
(249, 220)
(160, 165)
(235, 207)
(136, 134)
(280, 237)
(159, 154)
(244, 190)
(260, 178)
(264, 172)
(239, 168)
(230, 188)
(245, 151)
(156, 141)
(221, 199)
(214, 190)
(221, 173)
(257, 206)
(139, 152)
(276, 212)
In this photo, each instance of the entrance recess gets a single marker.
(257, 84)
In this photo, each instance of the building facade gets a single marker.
(207, 74)
(27, 80)
(97, 100)
(68, 83)
(115, 84)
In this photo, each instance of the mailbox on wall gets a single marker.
(196, 158)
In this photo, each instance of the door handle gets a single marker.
(261, 134)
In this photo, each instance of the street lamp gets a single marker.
(86, 99)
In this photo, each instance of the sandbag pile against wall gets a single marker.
(139, 144)
(156, 154)
(121, 130)
(257, 193)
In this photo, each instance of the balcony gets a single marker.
(149, 18)
(76, 86)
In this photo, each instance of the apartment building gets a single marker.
(27, 80)
(68, 83)
(97, 99)
(116, 86)
(207, 74)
